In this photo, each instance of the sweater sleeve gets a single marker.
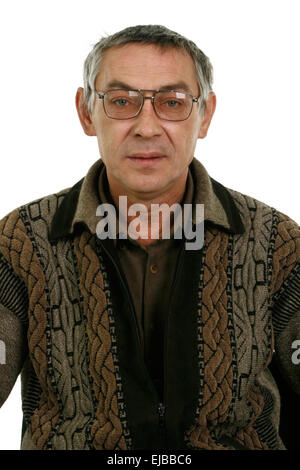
(13, 327)
(286, 324)
(285, 365)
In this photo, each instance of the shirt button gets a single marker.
(153, 268)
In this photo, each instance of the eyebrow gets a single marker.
(170, 86)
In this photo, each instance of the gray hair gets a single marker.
(147, 34)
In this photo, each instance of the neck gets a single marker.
(149, 230)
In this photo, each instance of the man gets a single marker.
(134, 341)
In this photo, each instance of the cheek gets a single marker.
(105, 137)
(111, 140)
(192, 133)
(185, 140)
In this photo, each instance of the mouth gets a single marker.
(146, 159)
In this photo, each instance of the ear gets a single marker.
(207, 115)
(83, 114)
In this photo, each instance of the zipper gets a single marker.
(162, 423)
(162, 406)
(132, 310)
(161, 413)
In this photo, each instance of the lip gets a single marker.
(146, 160)
(147, 155)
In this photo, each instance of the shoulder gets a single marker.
(280, 231)
(16, 226)
(250, 208)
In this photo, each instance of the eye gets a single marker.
(173, 103)
(120, 102)
(169, 102)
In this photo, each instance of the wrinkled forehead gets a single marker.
(147, 66)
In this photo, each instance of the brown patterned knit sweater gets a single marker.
(69, 327)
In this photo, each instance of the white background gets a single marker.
(252, 145)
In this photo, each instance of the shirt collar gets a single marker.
(80, 202)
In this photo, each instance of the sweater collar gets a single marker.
(81, 201)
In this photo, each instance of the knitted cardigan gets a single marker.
(69, 327)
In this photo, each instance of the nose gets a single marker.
(147, 123)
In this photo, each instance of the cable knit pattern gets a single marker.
(217, 372)
(106, 430)
(17, 249)
(86, 384)
(248, 436)
(286, 251)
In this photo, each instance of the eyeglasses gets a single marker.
(170, 105)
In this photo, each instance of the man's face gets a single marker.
(124, 144)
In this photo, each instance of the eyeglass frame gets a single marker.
(194, 100)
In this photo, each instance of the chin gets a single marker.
(145, 185)
(146, 189)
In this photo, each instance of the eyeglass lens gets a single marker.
(171, 105)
